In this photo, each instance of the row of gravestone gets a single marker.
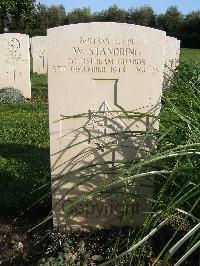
(15, 60)
(15, 50)
(95, 69)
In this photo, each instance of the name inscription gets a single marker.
(104, 58)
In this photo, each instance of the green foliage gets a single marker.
(24, 152)
(24, 155)
(79, 15)
(190, 55)
(113, 14)
(57, 15)
(171, 22)
(70, 256)
(11, 95)
(15, 14)
(3, 14)
(45, 17)
(191, 31)
(143, 16)
(40, 21)
(24, 124)
(39, 87)
(26, 16)
(181, 114)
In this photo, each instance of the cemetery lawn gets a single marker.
(24, 146)
(39, 87)
(24, 151)
(190, 55)
(25, 167)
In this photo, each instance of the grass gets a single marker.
(24, 151)
(192, 55)
(177, 193)
(39, 87)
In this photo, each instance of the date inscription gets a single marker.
(103, 55)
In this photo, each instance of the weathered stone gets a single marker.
(39, 54)
(172, 53)
(15, 62)
(98, 68)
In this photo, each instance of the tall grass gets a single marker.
(176, 196)
(175, 166)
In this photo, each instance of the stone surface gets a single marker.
(15, 62)
(172, 53)
(39, 54)
(96, 69)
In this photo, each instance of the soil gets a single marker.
(19, 247)
(35, 100)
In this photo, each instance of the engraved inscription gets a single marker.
(12, 48)
(42, 57)
(103, 41)
(109, 56)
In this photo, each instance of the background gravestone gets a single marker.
(39, 54)
(100, 67)
(172, 53)
(15, 62)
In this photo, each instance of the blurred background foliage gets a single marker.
(26, 16)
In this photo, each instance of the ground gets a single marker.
(191, 55)
(25, 173)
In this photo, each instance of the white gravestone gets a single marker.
(172, 53)
(39, 54)
(15, 62)
(100, 67)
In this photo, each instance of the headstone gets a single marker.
(30, 46)
(15, 62)
(100, 69)
(172, 53)
(39, 54)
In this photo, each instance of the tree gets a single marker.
(114, 14)
(171, 22)
(142, 16)
(3, 14)
(191, 30)
(16, 13)
(40, 21)
(57, 15)
(79, 15)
